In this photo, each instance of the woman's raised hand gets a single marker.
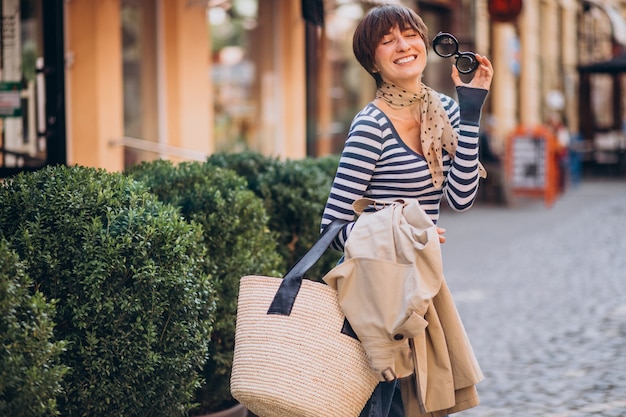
(482, 76)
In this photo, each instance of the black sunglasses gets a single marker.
(445, 45)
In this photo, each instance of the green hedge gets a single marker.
(30, 372)
(294, 193)
(239, 243)
(134, 304)
(143, 263)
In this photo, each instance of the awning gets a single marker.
(612, 66)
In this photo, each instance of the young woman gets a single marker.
(409, 141)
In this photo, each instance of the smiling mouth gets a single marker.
(405, 60)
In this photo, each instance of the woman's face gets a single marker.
(401, 56)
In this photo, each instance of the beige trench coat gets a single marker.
(392, 290)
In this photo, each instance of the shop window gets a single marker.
(235, 72)
(602, 86)
(22, 101)
(594, 38)
(139, 51)
(351, 87)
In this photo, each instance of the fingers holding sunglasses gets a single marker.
(484, 73)
(481, 77)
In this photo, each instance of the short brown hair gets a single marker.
(375, 25)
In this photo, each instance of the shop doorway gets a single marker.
(32, 85)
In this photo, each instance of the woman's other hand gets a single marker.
(442, 238)
(482, 76)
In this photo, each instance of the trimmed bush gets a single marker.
(239, 243)
(249, 165)
(294, 193)
(134, 304)
(30, 373)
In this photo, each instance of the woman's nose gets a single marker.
(402, 44)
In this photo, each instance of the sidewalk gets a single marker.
(542, 293)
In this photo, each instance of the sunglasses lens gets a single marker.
(466, 63)
(445, 45)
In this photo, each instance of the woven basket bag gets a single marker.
(291, 358)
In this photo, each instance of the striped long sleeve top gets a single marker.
(376, 163)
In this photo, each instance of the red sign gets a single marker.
(504, 10)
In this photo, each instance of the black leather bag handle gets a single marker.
(290, 285)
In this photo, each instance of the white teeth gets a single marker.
(405, 60)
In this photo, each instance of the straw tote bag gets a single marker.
(291, 358)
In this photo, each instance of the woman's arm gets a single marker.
(462, 179)
(463, 176)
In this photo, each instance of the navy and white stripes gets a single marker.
(376, 163)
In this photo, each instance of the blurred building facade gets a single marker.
(109, 83)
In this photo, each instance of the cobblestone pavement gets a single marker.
(542, 294)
